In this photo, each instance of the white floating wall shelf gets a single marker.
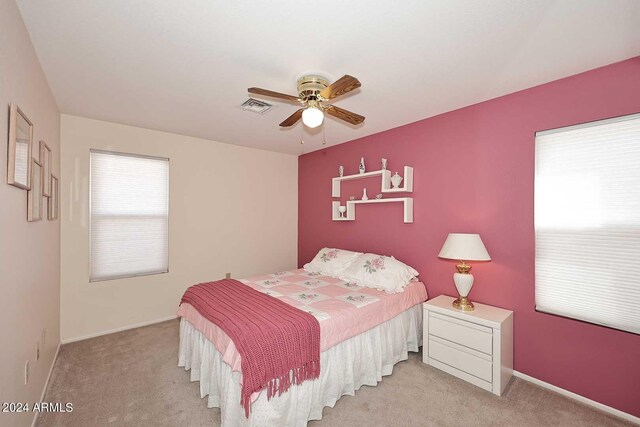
(386, 187)
(350, 215)
(407, 182)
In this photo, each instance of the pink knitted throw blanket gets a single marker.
(279, 344)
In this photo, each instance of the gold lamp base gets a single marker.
(463, 304)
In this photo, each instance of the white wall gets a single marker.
(29, 251)
(231, 209)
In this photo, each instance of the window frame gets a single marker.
(581, 125)
(90, 216)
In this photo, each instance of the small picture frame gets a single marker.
(45, 160)
(20, 151)
(34, 195)
(52, 201)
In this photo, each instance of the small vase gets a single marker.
(396, 180)
(361, 168)
(341, 170)
(364, 195)
(384, 164)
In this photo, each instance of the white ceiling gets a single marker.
(184, 66)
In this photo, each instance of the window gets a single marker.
(587, 222)
(129, 215)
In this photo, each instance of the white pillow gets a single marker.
(380, 272)
(331, 262)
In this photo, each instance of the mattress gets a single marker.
(343, 309)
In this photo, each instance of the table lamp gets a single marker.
(464, 247)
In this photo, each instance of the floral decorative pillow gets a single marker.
(331, 261)
(379, 272)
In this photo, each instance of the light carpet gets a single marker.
(131, 378)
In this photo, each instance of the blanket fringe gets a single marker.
(281, 384)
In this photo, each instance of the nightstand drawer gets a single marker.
(461, 332)
(478, 364)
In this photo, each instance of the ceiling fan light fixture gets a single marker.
(312, 117)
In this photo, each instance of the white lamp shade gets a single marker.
(464, 247)
(312, 117)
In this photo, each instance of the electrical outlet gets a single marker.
(227, 275)
(38, 350)
(26, 372)
(44, 338)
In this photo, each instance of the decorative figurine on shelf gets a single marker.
(342, 210)
(384, 164)
(341, 170)
(396, 180)
(361, 167)
(364, 195)
(379, 196)
(352, 198)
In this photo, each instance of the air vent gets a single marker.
(256, 106)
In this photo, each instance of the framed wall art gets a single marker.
(45, 161)
(20, 151)
(34, 195)
(52, 201)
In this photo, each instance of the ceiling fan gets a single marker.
(313, 92)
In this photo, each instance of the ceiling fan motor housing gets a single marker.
(310, 86)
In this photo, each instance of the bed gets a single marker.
(364, 332)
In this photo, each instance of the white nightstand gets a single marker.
(476, 346)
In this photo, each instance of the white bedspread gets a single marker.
(345, 367)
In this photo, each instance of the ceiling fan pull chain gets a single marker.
(301, 134)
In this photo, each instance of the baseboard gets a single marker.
(46, 384)
(123, 328)
(582, 399)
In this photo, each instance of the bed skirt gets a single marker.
(345, 367)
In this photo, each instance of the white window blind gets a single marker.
(129, 215)
(587, 222)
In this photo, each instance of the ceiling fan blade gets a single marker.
(342, 114)
(292, 119)
(341, 86)
(265, 92)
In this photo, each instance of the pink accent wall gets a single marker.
(474, 172)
